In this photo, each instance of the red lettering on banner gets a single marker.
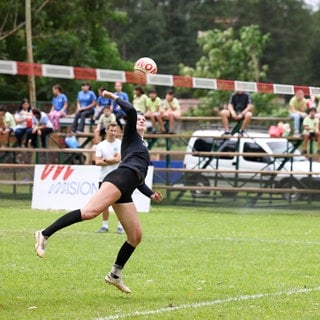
(68, 172)
(46, 171)
(49, 168)
(58, 171)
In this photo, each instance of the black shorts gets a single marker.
(126, 180)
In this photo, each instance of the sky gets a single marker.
(314, 3)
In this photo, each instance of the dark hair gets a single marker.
(58, 87)
(152, 90)
(24, 100)
(102, 88)
(36, 112)
(170, 91)
(139, 88)
(3, 108)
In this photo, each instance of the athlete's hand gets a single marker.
(157, 197)
(108, 94)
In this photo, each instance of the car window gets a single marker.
(284, 147)
(253, 147)
(228, 146)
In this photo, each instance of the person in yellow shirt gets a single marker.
(297, 110)
(170, 110)
(140, 100)
(153, 108)
(311, 129)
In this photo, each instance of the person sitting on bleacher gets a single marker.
(59, 106)
(102, 102)
(311, 129)
(105, 119)
(86, 101)
(23, 118)
(119, 113)
(297, 110)
(41, 126)
(170, 111)
(8, 122)
(239, 108)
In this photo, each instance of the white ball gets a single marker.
(145, 65)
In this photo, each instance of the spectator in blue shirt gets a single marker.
(102, 102)
(86, 101)
(59, 106)
(119, 113)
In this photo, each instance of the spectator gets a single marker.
(170, 110)
(42, 127)
(119, 113)
(8, 121)
(23, 118)
(86, 101)
(311, 129)
(105, 119)
(102, 102)
(108, 157)
(297, 110)
(153, 108)
(239, 108)
(59, 106)
(140, 100)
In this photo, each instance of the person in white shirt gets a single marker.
(41, 126)
(108, 157)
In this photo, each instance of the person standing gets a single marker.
(86, 101)
(59, 106)
(23, 118)
(116, 190)
(108, 157)
(41, 127)
(239, 108)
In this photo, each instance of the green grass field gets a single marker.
(193, 263)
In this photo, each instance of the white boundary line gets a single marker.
(208, 303)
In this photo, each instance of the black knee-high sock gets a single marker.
(124, 254)
(64, 221)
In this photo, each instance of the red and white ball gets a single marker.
(145, 65)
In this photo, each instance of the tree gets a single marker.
(226, 56)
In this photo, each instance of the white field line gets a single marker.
(208, 303)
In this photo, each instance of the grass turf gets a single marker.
(193, 263)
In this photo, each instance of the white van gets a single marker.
(254, 142)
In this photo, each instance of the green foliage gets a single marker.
(226, 56)
(114, 33)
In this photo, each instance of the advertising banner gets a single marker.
(69, 187)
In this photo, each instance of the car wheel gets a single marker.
(290, 184)
(198, 180)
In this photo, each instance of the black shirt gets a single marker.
(240, 101)
(134, 152)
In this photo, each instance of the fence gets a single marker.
(187, 186)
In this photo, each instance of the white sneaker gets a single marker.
(117, 282)
(120, 230)
(41, 242)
